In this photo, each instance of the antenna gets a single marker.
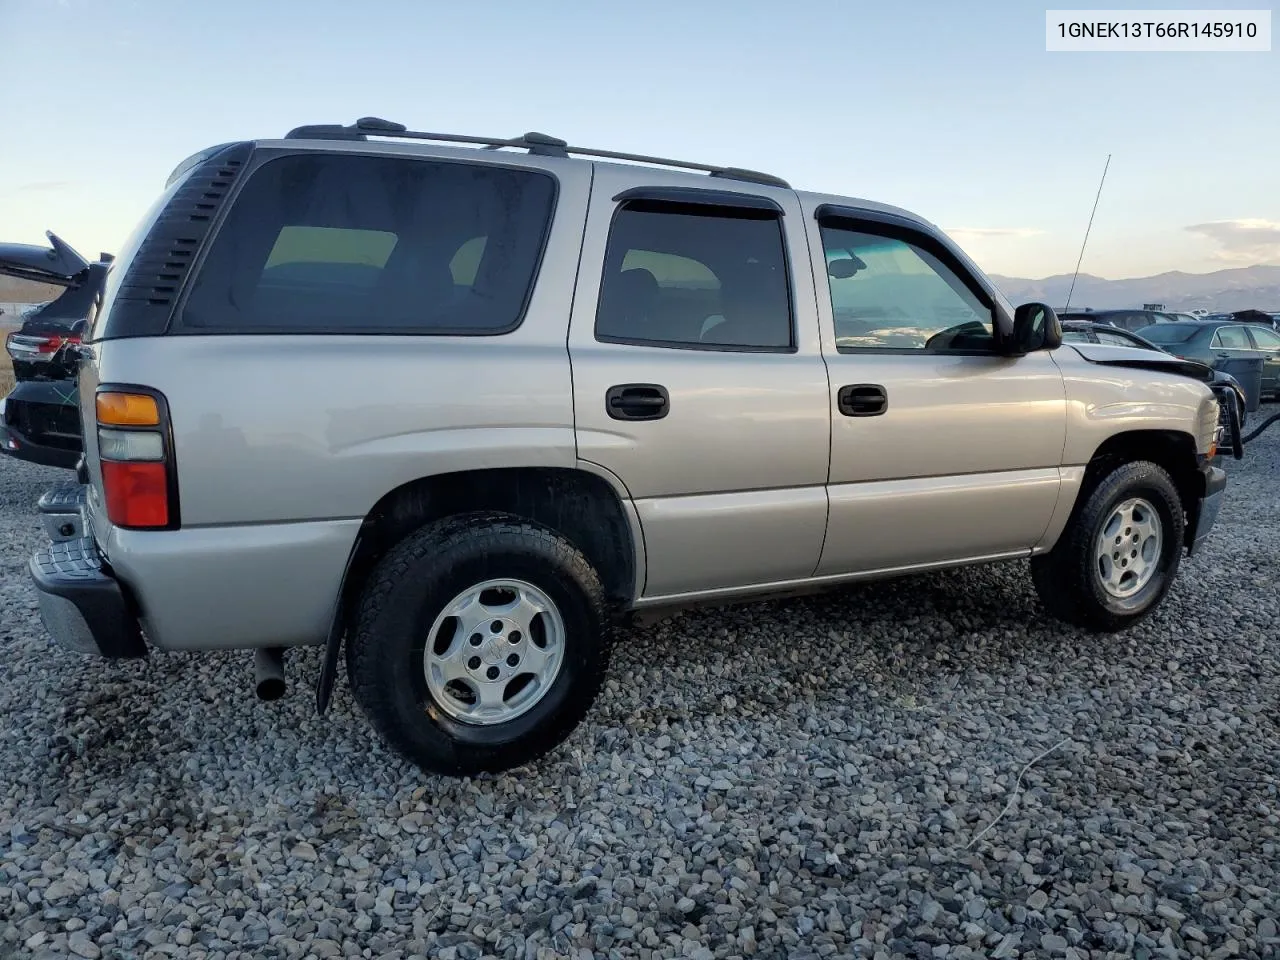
(1086, 234)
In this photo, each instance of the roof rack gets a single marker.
(539, 144)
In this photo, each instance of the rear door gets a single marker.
(1268, 341)
(697, 377)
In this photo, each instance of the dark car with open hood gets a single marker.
(40, 417)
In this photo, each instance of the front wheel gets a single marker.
(1120, 551)
(481, 643)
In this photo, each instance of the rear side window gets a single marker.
(323, 243)
(695, 277)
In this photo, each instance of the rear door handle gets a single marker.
(637, 401)
(862, 400)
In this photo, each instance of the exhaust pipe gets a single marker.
(268, 673)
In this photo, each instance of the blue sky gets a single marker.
(952, 110)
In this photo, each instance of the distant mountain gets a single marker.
(1239, 288)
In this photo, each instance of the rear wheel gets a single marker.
(481, 642)
(1119, 553)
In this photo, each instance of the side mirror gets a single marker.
(845, 267)
(1035, 327)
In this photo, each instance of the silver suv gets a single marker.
(460, 402)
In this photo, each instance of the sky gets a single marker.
(952, 110)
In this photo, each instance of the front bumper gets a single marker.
(1207, 505)
(83, 606)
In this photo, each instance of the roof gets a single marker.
(544, 145)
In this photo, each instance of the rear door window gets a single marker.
(324, 243)
(692, 278)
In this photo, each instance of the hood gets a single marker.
(1140, 359)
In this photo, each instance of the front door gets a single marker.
(1268, 341)
(697, 378)
(941, 451)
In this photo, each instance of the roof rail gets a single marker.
(539, 144)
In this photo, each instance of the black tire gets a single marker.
(1068, 579)
(410, 587)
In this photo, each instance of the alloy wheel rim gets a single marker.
(494, 651)
(1128, 548)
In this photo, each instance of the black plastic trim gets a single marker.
(72, 570)
(155, 278)
(178, 328)
(166, 433)
(698, 197)
(750, 176)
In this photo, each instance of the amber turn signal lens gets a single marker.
(127, 410)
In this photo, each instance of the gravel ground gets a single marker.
(789, 779)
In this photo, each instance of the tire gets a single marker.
(400, 676)
(1070, 579)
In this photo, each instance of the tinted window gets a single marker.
(676, 277)
(890, 293)
(365, 244)
(1134, 321)
(1116, 339)
(1170, 332)
(1232, 338)
(1265, 339)
(1076, 336)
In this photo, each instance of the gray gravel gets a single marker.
(789, 779)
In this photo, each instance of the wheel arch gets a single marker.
(582, 506)
(1174, 450)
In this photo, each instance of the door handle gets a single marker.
(862, 400)
(637, 401)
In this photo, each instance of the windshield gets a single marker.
(1170, 332)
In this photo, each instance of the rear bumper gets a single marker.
(83, 607)
(21, 447)
(38, 424)
(1208, 504)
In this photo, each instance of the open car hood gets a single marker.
(1139, 359)
(57, 263)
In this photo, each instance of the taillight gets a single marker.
(138, 480)
(36, 346)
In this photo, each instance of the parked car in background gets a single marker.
(1256, 317)
(1124, 319)
(1078, 331)
(40, 418)
(1217, 341)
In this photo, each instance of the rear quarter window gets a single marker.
(332, 243)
